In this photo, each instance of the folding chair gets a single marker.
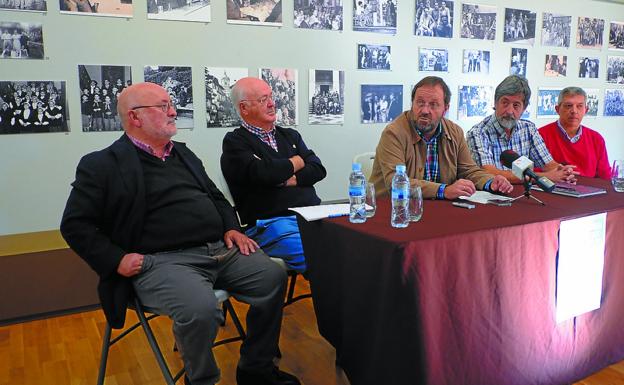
(223, 297)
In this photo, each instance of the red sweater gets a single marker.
(589, 154)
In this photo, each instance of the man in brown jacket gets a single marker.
(432, 148)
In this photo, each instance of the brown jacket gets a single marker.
(400, 144)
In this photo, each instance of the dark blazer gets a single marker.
(103, 218)
(255, 173)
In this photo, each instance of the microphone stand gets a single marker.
(527, 192)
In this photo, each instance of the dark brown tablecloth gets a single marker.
(463, 296)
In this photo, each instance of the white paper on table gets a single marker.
(580, 266)
(313, 213)
(483, 197)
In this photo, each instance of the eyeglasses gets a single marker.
(164, 107)
(432, 105)
(262, 100)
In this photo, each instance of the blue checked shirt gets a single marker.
(267, 137)
(487, 140)
(432, 166)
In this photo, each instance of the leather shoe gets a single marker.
(271, 377)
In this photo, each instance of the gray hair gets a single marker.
(512, 85)
(237, 95)
(571, 91)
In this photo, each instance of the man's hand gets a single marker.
(501, 184)
(130, 264)
(292, 181)
(297, 162)
(245, 244)
(461, 187)
(562, 174)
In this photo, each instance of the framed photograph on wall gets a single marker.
(114, 8)
(434, 18)
(589, 67)
(518, 64)
(374, 57)
(315, 14)
(433, 59)
(592, 101)
(478, 22)
(614, 102)
(474, 101)
(519, 26)
(190, 10)
(178, 82)
(616, 35)
(28, 6)
(257, 12)
(100, 86)
(556, 30)
(556, 65)
(284, 84)
(375, 16)
(589, 33)
(326, 97)
(615, 69)
(220, 111)
(380, 103)
(476, 62)
(33, 106)
(21, 40)
(546, 101)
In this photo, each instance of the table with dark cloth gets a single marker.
(463, 296)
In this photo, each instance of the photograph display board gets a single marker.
(182, 10)
(220, 111)
(326, 97)
(381, 103)
(178, 82)
(284, 84)
(21, 40)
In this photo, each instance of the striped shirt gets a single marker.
(487, 140)
(150, 150)
(573, 139)
(267, 137)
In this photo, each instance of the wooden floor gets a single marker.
(65, 350)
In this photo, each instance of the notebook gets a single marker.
(574, 190)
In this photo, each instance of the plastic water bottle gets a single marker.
(357, 195)
(400, 198)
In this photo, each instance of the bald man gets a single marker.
(269, 169)
(146, 217)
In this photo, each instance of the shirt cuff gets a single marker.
(486, 187)
(440, 194)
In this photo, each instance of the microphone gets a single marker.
(522, 166)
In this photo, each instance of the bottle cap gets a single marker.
(400, 168)
(356, 167)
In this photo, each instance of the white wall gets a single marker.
(36, 169)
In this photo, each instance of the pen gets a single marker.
(337, 215)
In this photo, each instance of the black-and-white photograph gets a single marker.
(21, 40)
(326, 97)
(284, 84)
(178, 82)
(220, 111)
(100, 86)
(615, 69)
(518, 64)
(616, 35)
(257, 12)
(373, 57)
(35, 106)
(614, 102)
(434, 18)
(433, 59)
(556, 30)
(519, 26)
(589, 33)
(24, 5)
(589, 67)
(378, 16)
(556, 65)
(478, 22)
(476, 61)
(592, 101)
(115, 8)
(182, 10)
(546, 101)
(381, 103)
(474, 101)
(319, 14)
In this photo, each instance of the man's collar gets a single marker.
(573, 139)
(500, 129)
(256, 130)
(149, 149)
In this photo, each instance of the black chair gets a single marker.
(292, 281)
(223, 297)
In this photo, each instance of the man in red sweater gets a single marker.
(569, 142)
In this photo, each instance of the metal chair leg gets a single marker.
(104, 355)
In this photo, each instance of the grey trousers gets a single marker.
(180, 284)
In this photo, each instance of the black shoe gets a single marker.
(272, 377)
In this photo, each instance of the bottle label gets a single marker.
(356, 191)
(402, 193)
